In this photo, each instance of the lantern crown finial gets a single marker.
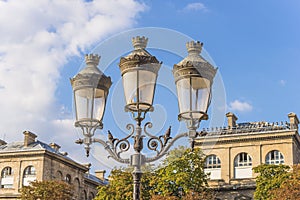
(92, 59)
(194, 47)
(139, 42)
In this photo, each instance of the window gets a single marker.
(6, 172)
(274, 157)
(29, 175)
(212, 161)
(213, 167)
(243, 159)
(29, 171)
(59, 175)
(68, 178)
(7, 178)
(243, 166)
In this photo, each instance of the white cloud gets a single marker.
(37, 39)
(237, 105)
(197, 6)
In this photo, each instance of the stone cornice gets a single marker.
(29, 153)
(66, 161)
(235, 138)
(90, 181)
(42, 153)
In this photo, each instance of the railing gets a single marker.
(248, 128)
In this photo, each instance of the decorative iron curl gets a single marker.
(148, 125)
(155, 143)
(120, 145)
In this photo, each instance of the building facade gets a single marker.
(29, 160)
(234, 150)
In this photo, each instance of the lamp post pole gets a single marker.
(193, 77)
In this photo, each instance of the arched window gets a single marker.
(243, 166)
(7, 178)
(274, 157)
(243, 159)
(212, 161)
(29, 175)
(68, 178)
(213, 167)
(59, 175)
(76, 187)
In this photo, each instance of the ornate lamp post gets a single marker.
(193, 78)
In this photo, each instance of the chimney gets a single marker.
(100, 174)
(28, 138)
(294, 121)
(231, 120)
(87, 165)
(54, 146)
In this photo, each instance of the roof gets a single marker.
(14, 147)
(95, 179)
(249, 127)
(19, 146)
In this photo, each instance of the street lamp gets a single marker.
(90, 88)
(193, 77)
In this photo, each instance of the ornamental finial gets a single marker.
(139, 42)
(194, 47)
(92, 59)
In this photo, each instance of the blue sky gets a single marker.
(255, 44)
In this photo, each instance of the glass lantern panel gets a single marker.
(99, 104)
(139, 88)
(147, 81)
(193, 96)
(90, 105)
(129, 84)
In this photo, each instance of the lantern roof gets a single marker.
(139, 57)
(194, 63)
(91, 75)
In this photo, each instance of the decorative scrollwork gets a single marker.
(157, 143)
(120, 145)
(148, 125)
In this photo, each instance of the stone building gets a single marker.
(31, 159)
(234, 150)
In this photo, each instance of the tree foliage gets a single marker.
(290, 187)
(45, 190)
(270, 177)
(121, 187)
(181, 177)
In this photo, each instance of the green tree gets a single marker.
(290, 187)
(121, 188)
(182, 176)
(270, 177)
(45, 190)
